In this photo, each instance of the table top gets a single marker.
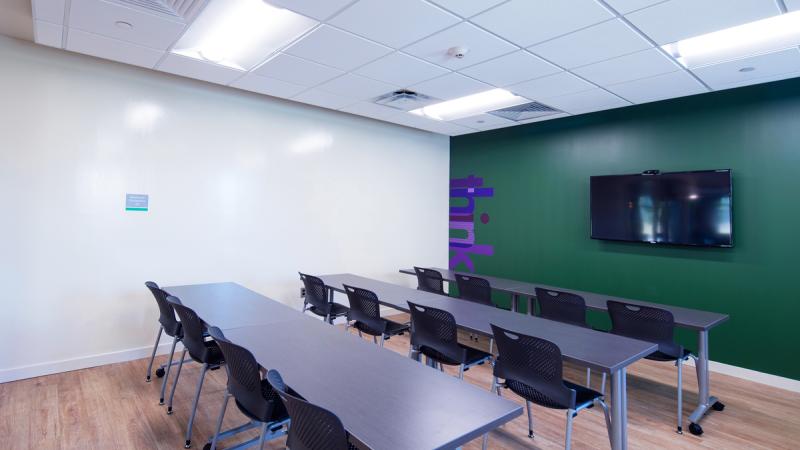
(600, 351)
(694, 319)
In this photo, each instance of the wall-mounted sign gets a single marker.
(136, 202)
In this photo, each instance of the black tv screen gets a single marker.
(678, 208)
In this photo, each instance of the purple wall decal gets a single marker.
(462, 218)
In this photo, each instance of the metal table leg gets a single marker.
(514, 302)
(619, 410)
(706, 401)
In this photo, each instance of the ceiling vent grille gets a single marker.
(525, 111)
(178, 9)
(404, 100)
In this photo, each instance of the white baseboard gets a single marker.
(83, 362)
(752, 375)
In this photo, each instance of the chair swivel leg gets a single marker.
(679, 364)
(219, 420)
(175, 382)
(530, 418)
(485, 444)
(496, 386)
(153, 355)
(588, 377)
(608, 420)
(166, 375)
(263, 437)
(194, 406)
(568, 437)
(461, 371)
(383, 338)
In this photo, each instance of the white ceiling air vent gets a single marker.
(404, 100)
(185, 10)
(525, 111)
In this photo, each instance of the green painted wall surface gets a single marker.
(539, 215)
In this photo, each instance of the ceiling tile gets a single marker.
(356, 87)
(267, 86)
(771, 65)
(401, 70)
(586, 101)
(193, 68)
(372, 110)
(323, 99)
(559, 84)
(527, 22)
(318, 9)
(646, 63)
(544, 118)
(596, 43)
(511, 69)
(626, 6)
(435, 126)
(113, 49)
(99, 17)
(484, 122)
(467, 8)
(450, 86)
(395, 23)
(480, 45)
(792, 5)
(49, 10)
(47, 33)
(680, 19)
(659, 87)
(296, 70)
(336, 48)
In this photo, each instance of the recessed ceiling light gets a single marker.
(124, 25)
(754, 38)
(241, 33)
(471, 105)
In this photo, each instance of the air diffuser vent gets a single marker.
(404, 100)
(178, 9)
(525, 111)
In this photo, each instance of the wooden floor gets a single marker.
(111, 407)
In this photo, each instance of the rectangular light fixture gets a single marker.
(471, 105)
(755, 38)
(240, 33)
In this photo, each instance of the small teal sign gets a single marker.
(136, 202)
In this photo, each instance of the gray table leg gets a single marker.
(619, 410)
(705, 400)
(514, 302)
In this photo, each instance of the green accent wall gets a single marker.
(539, 215)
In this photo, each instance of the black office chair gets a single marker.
(654, 325)
(169, 325)
(316, 299)
(474, 289)
(312, 427)
(200, 350)
(435, 335)
(533, 369)
(365, 312)
(254, 396)
(566, 308)
(429, 280)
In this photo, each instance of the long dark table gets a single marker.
(601, 351)
(384, 399)
(692, 319)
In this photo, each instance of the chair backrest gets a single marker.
(316, 293)
(166, 313)
(429, 280)
(244, 380)
(561, 306)
(647, 323)
(474, 289)
(193, 329)
(311, 427)
(436, 329)
(365, 310)
(536, 364)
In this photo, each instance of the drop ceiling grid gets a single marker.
(475, 9)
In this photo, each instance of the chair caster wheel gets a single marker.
(679, 430)
(160, 373)
(695, 429)
(147, 379)
(161, 402)
(718, 406)
(207, 446)
(188, 444)
(169, 411)
(530, 434)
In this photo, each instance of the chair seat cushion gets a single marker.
(582, 394)
(472, 355)
(337, 310)
(392, 328)
(213, 354)
(279, 412)
(661, 356)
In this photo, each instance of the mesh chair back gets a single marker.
(474, 289)
(193, 329)
(316, 293)
(561, 306)
(435, 329)
(429, 280)
(244, 381)
(311, 427)
(647, 323)
(365, 310)
(166, 313)
(532, 367)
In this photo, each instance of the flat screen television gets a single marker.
(674, 208)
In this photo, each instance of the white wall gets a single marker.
(242, 187)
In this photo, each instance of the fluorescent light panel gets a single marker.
(471, 105)
(754, 38)
(241, 33)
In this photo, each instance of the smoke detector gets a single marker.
(457, 52)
